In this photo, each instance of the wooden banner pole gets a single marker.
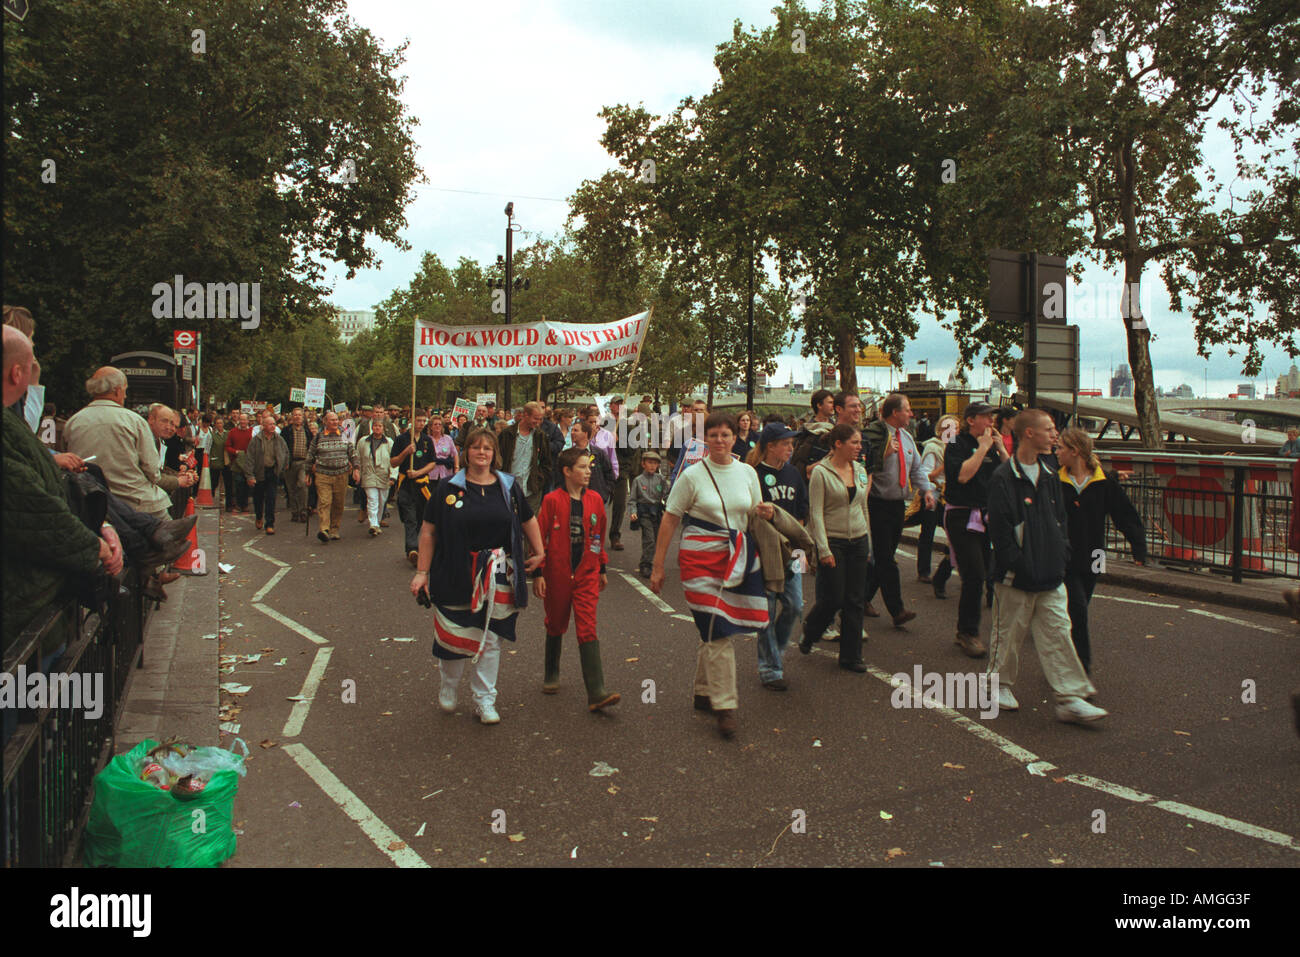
(637, 360)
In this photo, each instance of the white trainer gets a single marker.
(1078, 711)
(1006, 700)
(488, 714)
(447, 697)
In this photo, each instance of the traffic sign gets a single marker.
(184, 340)
(1197, 509)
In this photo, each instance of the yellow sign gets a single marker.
(873, 356)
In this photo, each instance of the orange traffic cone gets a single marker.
(205, 491)
(193, 562)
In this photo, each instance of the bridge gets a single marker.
(1122, 412)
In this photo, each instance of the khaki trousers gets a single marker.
(715, 674)
(331, 493)
(1044, 614)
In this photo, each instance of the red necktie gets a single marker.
(902, 461)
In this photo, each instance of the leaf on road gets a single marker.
(886, 816)
(955, 767)
(602, 770)
(382, 713)
(894, 852)
(268, 743)
(234, 687)
(1056, 860)
(573, 854)
(612, 789)
(1059, 780)
(652, 820)
(817, 743)
(516, 838)
(1150, 636)
(631, 659)
(1186, 734)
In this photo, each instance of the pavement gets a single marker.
(354, 765)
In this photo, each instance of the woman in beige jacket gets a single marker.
(373, 453)
(837, 518)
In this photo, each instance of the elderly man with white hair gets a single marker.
(123, 444)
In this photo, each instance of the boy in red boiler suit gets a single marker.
(572, 523)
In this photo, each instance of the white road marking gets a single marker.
(290, 624)
(248, 547)
(1007, 747)
(297, 716)
(380, 834)
(275, 580)
(1137, 601)
(1186, 810)
(680, 617)
(1039, 766)
(1235, 621)
(649, 595)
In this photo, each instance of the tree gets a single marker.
(1110, 131)
(253, 153)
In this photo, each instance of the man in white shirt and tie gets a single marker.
(897, 474)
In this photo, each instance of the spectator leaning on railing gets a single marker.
(46, 546)
(121, 442)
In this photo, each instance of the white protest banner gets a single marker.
(349, 431)
(463, 407)
(277, 408)
(298, 395)
(533, 347)
(484, 398)
(315, 393)
(340, 407)
(246, 407)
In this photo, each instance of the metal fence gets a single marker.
(52, 754)
(1227, 513)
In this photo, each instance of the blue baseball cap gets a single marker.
(775, 432)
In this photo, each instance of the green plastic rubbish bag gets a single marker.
(135, 824)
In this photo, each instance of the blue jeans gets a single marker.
(784, 611)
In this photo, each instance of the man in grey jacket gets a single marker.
(265, 460)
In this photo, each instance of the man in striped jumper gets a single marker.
(329, 460)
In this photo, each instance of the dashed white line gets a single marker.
(293, 727)
(248, 547)
(1235, 621)
(648, 594)
(290, 624)
(275, 580)
(1137, 601)
(1037, 765)
(380, 834)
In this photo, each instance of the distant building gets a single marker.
(1288, 382)
(1184, 391)
(1246, 390)
(1121, 384)
(351, 323)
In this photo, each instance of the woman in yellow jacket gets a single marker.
(837, 517)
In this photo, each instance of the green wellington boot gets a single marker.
(551, 681)
(594, 677)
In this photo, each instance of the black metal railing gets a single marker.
(52, 754)
(1227, 513)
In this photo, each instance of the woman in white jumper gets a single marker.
(712, 500)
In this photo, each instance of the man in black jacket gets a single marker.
(1028, 531)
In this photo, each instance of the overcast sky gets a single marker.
(507, 96)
